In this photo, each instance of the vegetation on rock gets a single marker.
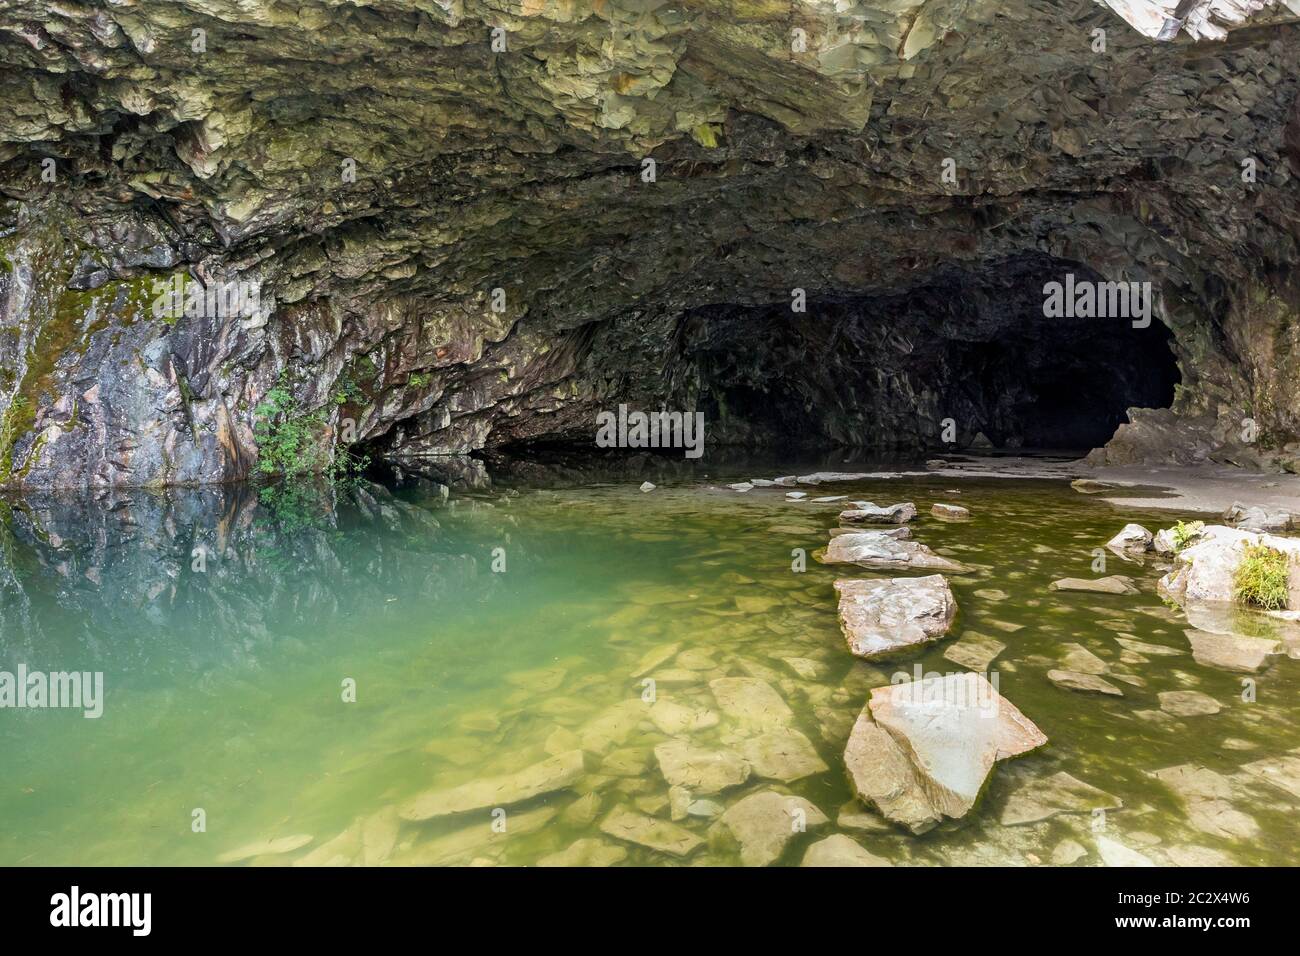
(1261, 578)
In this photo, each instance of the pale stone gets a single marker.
(1114, 853)
(1207, 796)
(839, 850)
(1282, 772)
(785, 755)
(1079, 658)
(873, 549)
(1133, 537)
(633, 827)
(950, 512)
(1232, 652)
(751, 702)
(647, 486)
(869, 513)
(881, 774)
(1113, 584)
(554, 773)
(1067, 852)
(1041, 799)
(881, 617)
(273, 847)
(653, 658)
(589, 851)
(764, 822)
(673, 718)
(698, 769)
(1085, 683)
(1143, 647)
(1187, 703)
(974, 651)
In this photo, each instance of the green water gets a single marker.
(225, 685)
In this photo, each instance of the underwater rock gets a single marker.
(876, 550)
(764, 822)
(589, 851)
(741, 486)
(633, 827)
(921, 751)
(698, 769)
(1114, 853)
(881, 617)
(273, 847)
(974, 651)
(554, 773)
(1207, 797)
(1132, 537)
(1078, 658)
(950, 512)
(839, 850)
(1043, 798)
(1090, 486)
(785, 755)
(1282, 772)
(1084, 683)
(751, 702)
(1187, 703)
(459, 845)
(1113, 584)
(673, 718)
(866, 512)
(1231, 652)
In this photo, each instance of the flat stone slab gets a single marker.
(1132, 537)
(1079, 658)
(839, 850)
(588, 851)
(825, 477)
(700, 769)
(1187, 703)
(974, 651)
(273, 847)
(867, 512)
(1207, 797)
(1043, 798)
(633, 827)
(764, 822)
(922, 750)
(1282, 772)
(1084, 683)
(871, 549)
(882, 617)
(552, 774)
(1112, 584)
(947, 512)
(751, 702)
(1232, 652)
(785, 755)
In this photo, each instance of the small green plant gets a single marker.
(1261, 578)
(288, 441)
(419, 380)
(1184, 533)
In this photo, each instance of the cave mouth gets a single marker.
(965, 353)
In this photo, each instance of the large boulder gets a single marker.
(922, 751)
(1257, 518)
(873, 549)
(1203, 572)
(881, 617)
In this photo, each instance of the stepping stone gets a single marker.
(875, 550)
(1187, 703)
(1206, 796)
(882, 617)
(1084, 683)
(950, 512)
(555, 773)
(588, 851)
(921, 751)
(1079, 658)
(1043, 798)
(839, 850)
(1282, 772)
(1114, 584)
(1143, 647)
(1133, 537)
(869, 513)
(764, 822)
(633, 827)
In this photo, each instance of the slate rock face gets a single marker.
(458, 244)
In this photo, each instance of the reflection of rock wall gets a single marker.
(795, 147)
(206, 577)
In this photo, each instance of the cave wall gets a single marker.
(816, 165)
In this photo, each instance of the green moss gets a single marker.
(1261, 579)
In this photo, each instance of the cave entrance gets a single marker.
(887, 371)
